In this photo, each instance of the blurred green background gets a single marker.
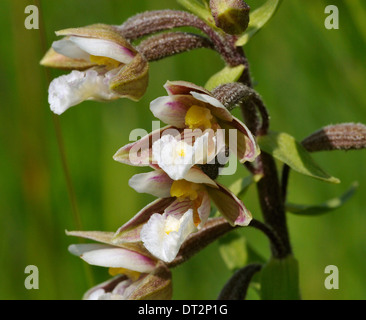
(308, 76)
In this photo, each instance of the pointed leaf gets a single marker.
(237, 252)
(330, 205)
(258, 18)
(233, 251)
(280, 279)
(226, 75)
(200, 9)
(286, 149)
(241, 186)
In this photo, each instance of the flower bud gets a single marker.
(232, 16)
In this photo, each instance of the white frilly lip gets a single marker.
(159, 241)
(71, 89)
(176, 157)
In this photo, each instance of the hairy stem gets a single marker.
(167, 44)
(271, 202)
(275, 239)
(237, 286)
(150, 22)
(212, 230)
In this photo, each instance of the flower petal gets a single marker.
(139, 153)
(157, 206)
(101, 291)
(175, 157)
(246, 147)
(113, 257)
(230, 206)
(156, 182)
(204, 209)
(178, 208)
(54, 59)
(183, 88)
(104, 48)
(130, 240)
(69, 90)
(161, 244)
(173, 109)
(216, 107)
(101, 32)
(196, 175)
(157, 285)
(70, 49)
(132, 79)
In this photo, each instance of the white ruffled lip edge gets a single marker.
(69, 90)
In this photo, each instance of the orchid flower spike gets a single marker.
(183, 208)
(190, 108)
(136, 274)
(104, 67)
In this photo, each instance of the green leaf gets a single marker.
(241, 186)
(233, 250)
(200, 9)
(226, 75)
(280, 279)
(286, 149)
(330, 205)
(237, 252)
(258, 18)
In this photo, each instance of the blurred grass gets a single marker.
(308, 76)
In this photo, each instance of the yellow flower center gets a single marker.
(181, 148)
(199, 118)
(183, 189)
(108, 62)
(133, 275)
(172, 224)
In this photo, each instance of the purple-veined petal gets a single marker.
(178, 208)
(183, 88)
(245, 146)
(204, 209)
(157, 206)
(156, 183)
(230, 206)
(112, 257)
(216, 107)
(139, 153)
(172, 110)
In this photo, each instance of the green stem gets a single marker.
(61, 148)
(58, 131)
